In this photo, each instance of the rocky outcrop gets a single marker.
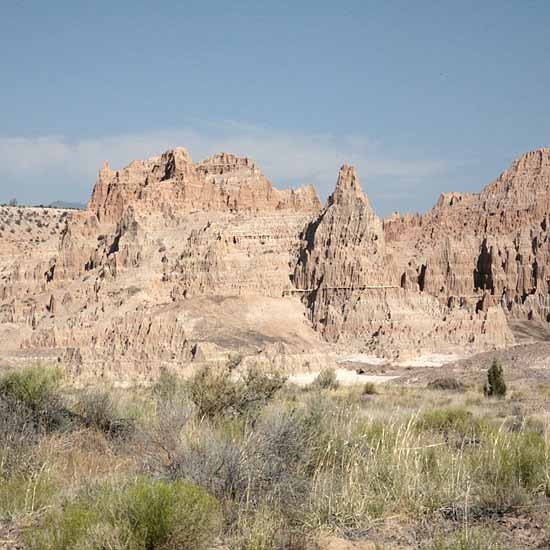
(173, 185)
(486, 248)
(175, 262)
(356, 291)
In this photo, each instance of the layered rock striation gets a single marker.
(358, 292)
(175, 262)
(490, 248)
(174, 185)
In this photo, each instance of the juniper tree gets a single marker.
(495, 385)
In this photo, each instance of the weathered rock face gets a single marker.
(487, 248)
(357, 292)
(172, 184)
(175, 262)
(171, 262)
(345, 245)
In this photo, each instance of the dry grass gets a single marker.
(299, 464)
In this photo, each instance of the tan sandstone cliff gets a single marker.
(175, 262)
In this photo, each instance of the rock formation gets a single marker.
(485, 249)
(175, 262)
(174, 185)
(358, 292)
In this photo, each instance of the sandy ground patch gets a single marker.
(363, 358)
(344, 376)
(431, 360)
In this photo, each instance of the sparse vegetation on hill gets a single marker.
(273, 467)
(28, 226)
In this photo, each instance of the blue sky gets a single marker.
(423, 97)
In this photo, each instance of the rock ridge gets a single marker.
(175, 262)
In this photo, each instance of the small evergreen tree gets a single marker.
(495, 385)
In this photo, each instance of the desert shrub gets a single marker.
(234, 361)
(144, 515)
(37, 389)
(163, 432)
(216, 463)
(281, 457)
(450, 418)
(369, 388)
(447, 383)
(495, 385)
(166, 386)
(214, 392)
(173, 515)
(326, 380)
(96, 409)
(24, 483)
(271, 460)
(17, 435)
(257, 388)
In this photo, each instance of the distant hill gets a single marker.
(65, 204)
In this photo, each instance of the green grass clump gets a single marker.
(457, 419)
(508, 468)
(22, 495)
(178, 514)
(473, 538)
(144, 515)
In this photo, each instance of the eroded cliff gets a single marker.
(174, 262)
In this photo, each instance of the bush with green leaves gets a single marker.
(215, 392)
(495, 385)
(326, 380)
(146, 514)
(37, 389)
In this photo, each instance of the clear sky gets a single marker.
(423, 97)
